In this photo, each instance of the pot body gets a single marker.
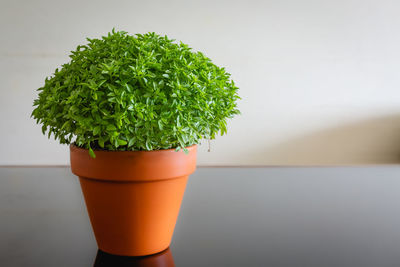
(133, 197)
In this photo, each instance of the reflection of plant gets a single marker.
(142, 92)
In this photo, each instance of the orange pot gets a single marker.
(133, 197)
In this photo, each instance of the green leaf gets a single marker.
(101, 142)
(148, 145)
(160, 125)
(91, 153)
(96, 130)
(111, 127)
(122, 142)
(131, 141)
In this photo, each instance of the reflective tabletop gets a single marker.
(326, 216)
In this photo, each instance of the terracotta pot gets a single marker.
(133, 197)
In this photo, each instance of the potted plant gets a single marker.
(133, 108)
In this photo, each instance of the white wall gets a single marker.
(319, 79)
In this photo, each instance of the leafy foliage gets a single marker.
(142, 92)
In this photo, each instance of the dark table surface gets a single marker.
(336, 216)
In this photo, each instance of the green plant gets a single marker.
(142, 92)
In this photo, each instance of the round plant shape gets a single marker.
(135, 92)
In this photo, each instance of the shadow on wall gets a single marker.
(370, 141)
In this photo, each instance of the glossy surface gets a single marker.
(229, 217)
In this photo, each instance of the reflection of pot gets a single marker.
(163, 259)
(133, 197)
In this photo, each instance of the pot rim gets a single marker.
(137, 151)
(132, 165)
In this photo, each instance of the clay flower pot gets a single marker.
(133, 197)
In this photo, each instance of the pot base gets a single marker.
(163, 258)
